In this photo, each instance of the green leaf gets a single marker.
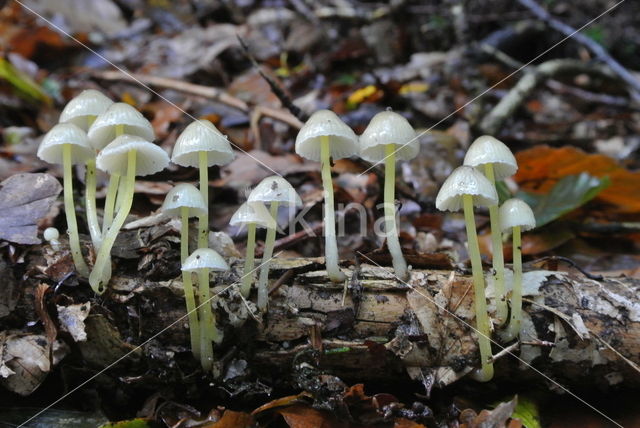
(527, 412)
(568, 194)
(24, 85)
(134, 423)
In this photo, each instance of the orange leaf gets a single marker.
(541, 167)
(281, 402)
(406, 423)
(306, 417)
(231, 419)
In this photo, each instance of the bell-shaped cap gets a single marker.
(465, 180)
(253, 212)
(275, 189)
(343, 142)
(149, 157)
(50, 149)
(184, 195)
(103, 130)
(515, 212)
(204, 258)
(487, 149)
(88, 105)
(201, 136)
(386, 128)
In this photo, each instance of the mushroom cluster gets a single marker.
(466, 188)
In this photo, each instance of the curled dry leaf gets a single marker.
(72, 319)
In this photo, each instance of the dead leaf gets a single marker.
(281, 402)
(25, 361)
(406, 423)
(25, 199)
(43, 314)
(231, 419)
(72, 319)
(307, 417)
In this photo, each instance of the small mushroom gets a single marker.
(68, 145)
(185, 200)
(275, 191)
(130, 156)
(252, 215)
(516, 216)
(202, 145)
(202, 261)
(119, 119)
(82, 111)
(51, 235)
(466, 188)
(390, 137)
(325, 137)
(495, 160)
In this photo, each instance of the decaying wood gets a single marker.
(578, 331)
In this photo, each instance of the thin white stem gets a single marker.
(207, 327)
(90, 204)
(330, 244)
(498, 257)
(70, 212)
(101, 273)
(516, 295)
(203, 219)
(247, 278)
(391, 230)
(263, 282)
(482, 319)
(187, 285)
(110, 202)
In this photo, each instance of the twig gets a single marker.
(492, 122)
(572, 264)
(589, 43)
(178, 85)
(508, 350)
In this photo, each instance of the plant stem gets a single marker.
(112, 190)
(110, 202)
(187, 285)
(70, 212)
(90, 204)
(482, 319)
(393, 242)
(247, 276)
(267, 254)
(203, 219)
(516, 295)
(207, 327)
(101, 273)
(330, 244)
(498, 257)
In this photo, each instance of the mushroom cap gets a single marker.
(103, 130)
(201, 136)
(253, 212)
(343, 142)
(465, 180)
(50, 149)
(90, 103)
(184, 195)
(487, 149)
(385, 128)
(50, 233)
(204, 258)
(149, 157)
(515, 212)
(275, 189)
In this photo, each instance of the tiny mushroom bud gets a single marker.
(202, 261)
(516, 216)
(82, 112)
(275, 191)
(119, 119)
(464, 188)
(496, 161)
(127, 155)
(389, 137)
(68, 145)
(51, 235)
(324, 137)
(185, 200)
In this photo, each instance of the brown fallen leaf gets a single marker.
(25, 199)
(299, 416)
(231, 419)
